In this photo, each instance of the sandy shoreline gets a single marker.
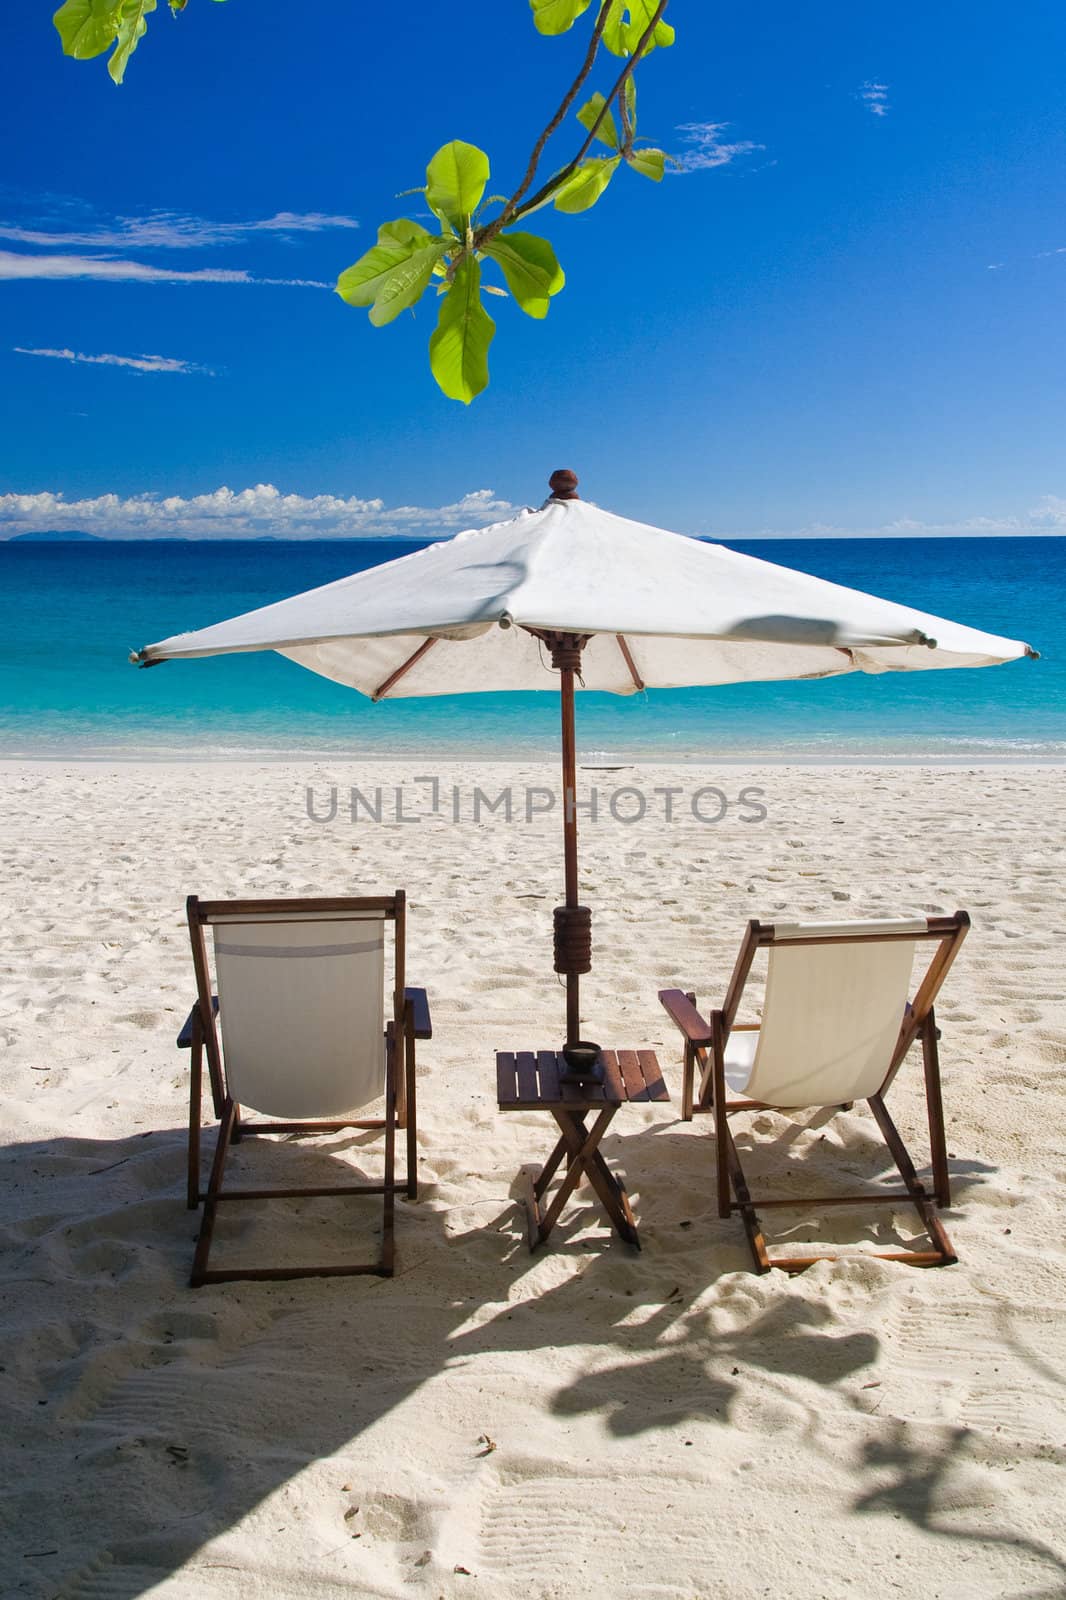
(665, 1425)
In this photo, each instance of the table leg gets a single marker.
(582, 1144)
(549, 1169)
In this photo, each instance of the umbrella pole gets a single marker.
(573, 922)
(573, 981)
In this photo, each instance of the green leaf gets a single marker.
(459, 347)
(606, 133)
(529, 265)
(631, 102)
(361, 284)
(132, 28)
(88, 27)
(455, 181)
(556, 16)
(403, 231)
(649, 163)
(625, 27)
(584, 187)
(405, 283)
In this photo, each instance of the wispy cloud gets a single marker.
(1047, 516)
(166, 230)
(875, 97)
(111, 269)
(707, 148)
(143, 363)
(243, 514)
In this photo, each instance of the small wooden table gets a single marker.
(529, 1080)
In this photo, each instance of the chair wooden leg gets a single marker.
(722, 1137)
(401, 1091)
(688, 1073)
(935, 1108)
(411, 1123)
(944, 1250)
(196, 1076)
(729, 1162)
(218, 1165)
(397, 1074)
(388, 1241)
(942, 1254)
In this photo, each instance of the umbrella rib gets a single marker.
(627, 657)
(394, 677)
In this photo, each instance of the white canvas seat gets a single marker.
(298, 1031)
(836, 1026)
(302, 1011)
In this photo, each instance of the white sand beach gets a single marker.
(585, 1421)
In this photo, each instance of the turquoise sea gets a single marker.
(73, 611)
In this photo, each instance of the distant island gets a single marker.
(53, 536)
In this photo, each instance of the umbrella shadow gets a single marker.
(161, 1419)
(146, 1420)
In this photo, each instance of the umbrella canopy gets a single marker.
(662, 610)
(609, 604)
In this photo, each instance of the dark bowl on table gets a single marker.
(583, 1063)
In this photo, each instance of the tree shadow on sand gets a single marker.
(928, 1475)
(148, 1421)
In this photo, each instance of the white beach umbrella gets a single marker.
(613, 604)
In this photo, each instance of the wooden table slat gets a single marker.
(506, 1088)
(613, 1081)
(526, 1070)
(531, 1080)
(548, 1072)
(655, 1088)
(631, 1074)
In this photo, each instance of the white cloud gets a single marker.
(875, 96)
(141, 363)
(111, 269)
(1047, 517)
(250, 513)
(243, 514)
(1050, 513)
(166, 230)
(708, 148)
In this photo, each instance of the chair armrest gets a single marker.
(680, 1010)
(419, 1003)
(185, 1036)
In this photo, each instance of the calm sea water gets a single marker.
(73, 611)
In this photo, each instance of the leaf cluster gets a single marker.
(407, 258)
(89, 28)
(396, 271)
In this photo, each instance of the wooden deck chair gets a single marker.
(300, 1006)
(836, 1027)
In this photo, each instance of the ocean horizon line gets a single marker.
(83, 537)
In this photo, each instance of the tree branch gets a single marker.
(509, 210)
(543, 193)
(623, 116)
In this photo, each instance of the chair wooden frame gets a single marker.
(410, 1021)
(705, 1047)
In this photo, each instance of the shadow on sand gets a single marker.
(147, 1421)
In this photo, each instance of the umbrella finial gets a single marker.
(563, 485)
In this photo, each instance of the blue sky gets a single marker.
(849, 317)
